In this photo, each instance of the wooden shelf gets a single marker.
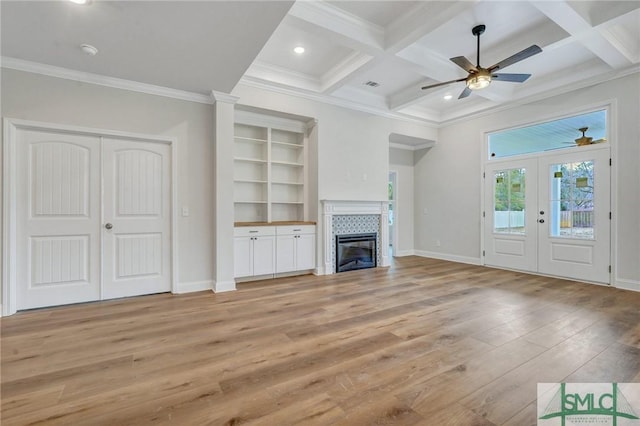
(288, 183)
(249, 181)
(246, 139)
(259, 188)
(287, 163)
(288, 144)
(250, 160)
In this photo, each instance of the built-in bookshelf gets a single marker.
(269, 171)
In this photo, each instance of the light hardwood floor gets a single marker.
(425, 342)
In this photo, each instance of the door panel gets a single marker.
(306, 252)
(264, 255)
(285, 253)
(575, 240)
(510, 230)
(137, 251)
(58, 210)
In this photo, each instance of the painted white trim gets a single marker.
(193, 286)
(319, 271)
(265, 120)
(9, 190)
(403, 253)
(450, 257)
(102, 80)
(330, 100)
(411, 147)
(9, 206)
(624, 284)
(223, 97)
(332, 208)
(223, 286)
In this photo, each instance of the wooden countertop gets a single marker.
(286, 222)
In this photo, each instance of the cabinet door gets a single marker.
(285, 253)
(306, 252)
(242, 257)
(264, 255)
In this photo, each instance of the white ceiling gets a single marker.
(212, 45)
(193, 46)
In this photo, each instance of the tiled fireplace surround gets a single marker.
(354, 217)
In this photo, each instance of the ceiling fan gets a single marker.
(584, 139)
(480, 77)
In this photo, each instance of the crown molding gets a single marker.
(224, 97)
(102, 80)
(318, 97)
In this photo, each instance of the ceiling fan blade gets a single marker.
(466, 92)
(444, 83)
(523, 54)
(514, 78)
(464, 63)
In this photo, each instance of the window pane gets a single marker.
(509, 201)
(572, 200)
(547, 136)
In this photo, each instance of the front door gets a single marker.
(573, 223)
(550, 214)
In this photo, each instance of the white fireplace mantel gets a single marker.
(332, 208)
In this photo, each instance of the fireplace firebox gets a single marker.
(355, 251)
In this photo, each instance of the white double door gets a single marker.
(550, 214)
(93, 218)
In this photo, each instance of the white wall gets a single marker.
(449, 174)
(401, 161)
(47, 99)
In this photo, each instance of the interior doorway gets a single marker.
(393, 213)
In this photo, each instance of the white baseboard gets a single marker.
(223, 286)
(192, 286)
(402, 253)
(451, 257)
(627, 284)
(318, 271)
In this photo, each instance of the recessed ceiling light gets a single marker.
(89, 49)
(79, 1)
(447, 97)
(299, 50)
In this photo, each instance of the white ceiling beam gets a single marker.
(267, 72)
(571, 21)
(341, 73)
(420, 21)
(366, 35)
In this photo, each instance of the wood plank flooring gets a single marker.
(425, 342)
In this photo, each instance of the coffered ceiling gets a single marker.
(403, 46)
(395, 46)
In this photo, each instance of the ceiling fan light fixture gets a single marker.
(478, 81)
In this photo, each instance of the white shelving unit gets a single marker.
(270, 169)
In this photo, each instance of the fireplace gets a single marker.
(356, 251)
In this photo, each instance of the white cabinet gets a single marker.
(266, 250)
(295, 248)
(254, 250)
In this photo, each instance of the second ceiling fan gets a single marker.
(480, 77)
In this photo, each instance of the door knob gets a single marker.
(541, 220)
(108, 226)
